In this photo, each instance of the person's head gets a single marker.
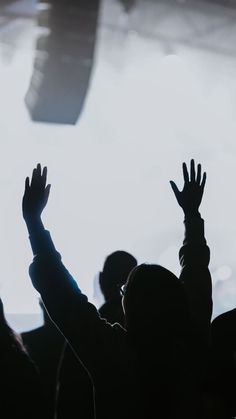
(154, 301)
(116, 269)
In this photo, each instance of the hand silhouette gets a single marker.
(191, 196)
(36, 194)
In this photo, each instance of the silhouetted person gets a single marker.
(20, 388)
(116, 269)
(154, 367)
(45, 345)
(222, 366)
(74, 384)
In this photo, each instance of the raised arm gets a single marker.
(76, 318)
(34, 201)
(47, 261)
(35, 198)
(194, 255)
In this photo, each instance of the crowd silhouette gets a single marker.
(150, 351)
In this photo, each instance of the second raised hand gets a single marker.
(191, 196)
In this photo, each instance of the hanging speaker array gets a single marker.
(63, 60)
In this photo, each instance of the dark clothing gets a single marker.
(131, 383)
(45, 345)
(21, 394)
(74, 388)
(223, 330)
(222, 384)
(112, 311)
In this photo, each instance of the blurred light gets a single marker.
(43, 6)
(223, 273)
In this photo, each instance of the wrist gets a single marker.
(34, 223)
(192, 214)
(32, 219)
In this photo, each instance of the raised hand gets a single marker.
(191, 196)
(36, 194)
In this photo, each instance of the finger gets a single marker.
(192, 171)
(39, 169)
(27, 184)
(44, 177)
(199, 173)
(185, 173)
(47, 192)
(34, 178)
(174, 188)
(203, 181)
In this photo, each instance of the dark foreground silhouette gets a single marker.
(157, 362)
(45, 345)
(21, 391)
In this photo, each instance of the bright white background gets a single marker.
(148, 109)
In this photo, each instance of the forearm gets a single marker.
(34, 224)
(58, 289)
(40, 239)
(194, 229)
(48, 274)
(194, 259)
(76, 318)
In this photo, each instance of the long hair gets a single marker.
(155, 304)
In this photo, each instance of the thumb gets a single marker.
(47, 192)
(174, 188)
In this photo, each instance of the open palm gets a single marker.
(191, 196)
(36, 193)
